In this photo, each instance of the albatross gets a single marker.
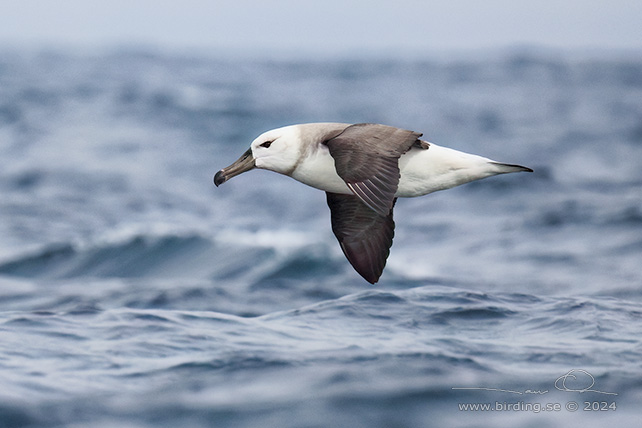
(363, 168)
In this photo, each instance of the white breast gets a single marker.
(317, 170)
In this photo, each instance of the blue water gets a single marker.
(133, 293)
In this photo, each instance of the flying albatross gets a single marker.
(363, 168)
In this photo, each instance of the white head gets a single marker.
(278, 150)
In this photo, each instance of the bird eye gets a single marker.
(266, 144)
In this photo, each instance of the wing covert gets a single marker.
(366, 157)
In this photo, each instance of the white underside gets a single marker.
(422, 171)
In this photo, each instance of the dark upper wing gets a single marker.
(364, 235)
(366, 157)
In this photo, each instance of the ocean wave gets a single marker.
(137, 256)
(262, 255)
(417, 323)
(359, 351)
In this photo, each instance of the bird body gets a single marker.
(363, 168)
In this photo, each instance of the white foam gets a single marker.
(282, 240)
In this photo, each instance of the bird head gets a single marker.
(277, 150)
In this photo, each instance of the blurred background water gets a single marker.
(133, 293)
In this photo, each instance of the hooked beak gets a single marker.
(244, 163)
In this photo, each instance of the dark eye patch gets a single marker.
(266, 144)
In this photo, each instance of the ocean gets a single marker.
(136, 294)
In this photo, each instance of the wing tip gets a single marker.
(369, 268)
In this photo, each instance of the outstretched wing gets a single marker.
(366, 157)
(365, 236)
